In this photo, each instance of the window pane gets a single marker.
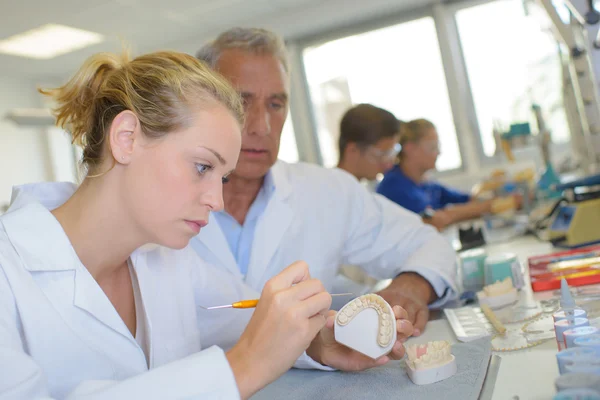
(288, 150)
(398, 68)
(513, 62)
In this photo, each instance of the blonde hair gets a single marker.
(413, 131)
(159, 88)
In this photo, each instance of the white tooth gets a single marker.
(385, 317)
(342, 318)
(385, 323)
(383, 341)
(354, 306)
(349, 311)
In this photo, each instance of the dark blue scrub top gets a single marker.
(418, 196)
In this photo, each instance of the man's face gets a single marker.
(263, 84)
(378, 158)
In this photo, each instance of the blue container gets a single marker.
(568, 356)
(577, 394)
(502, 266)
(472, 264)
(589, 342)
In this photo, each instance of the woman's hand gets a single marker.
(439, 220)
(291, 311)
(327, 351)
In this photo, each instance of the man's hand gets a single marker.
(325, 350)
(413, 293)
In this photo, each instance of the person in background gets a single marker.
(407, 185)
(368, 147)
(99, 296)
(368, 142)
(276, 211)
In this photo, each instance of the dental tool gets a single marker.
(253, 303)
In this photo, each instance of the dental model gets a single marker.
(430, 363)
(498, 294)
(367, 324)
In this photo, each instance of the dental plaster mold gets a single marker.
(430, 363)
(367, 324)
(498, 294)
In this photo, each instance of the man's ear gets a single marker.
(122, 135)
(352, 149)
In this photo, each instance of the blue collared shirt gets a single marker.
(240, 237)
(416, 197)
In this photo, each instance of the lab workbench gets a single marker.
(523, 374)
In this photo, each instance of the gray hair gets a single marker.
(253, 40)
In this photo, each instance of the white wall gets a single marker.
(23, 151)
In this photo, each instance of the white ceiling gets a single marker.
(183, 25)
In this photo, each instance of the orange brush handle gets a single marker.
(245, 304)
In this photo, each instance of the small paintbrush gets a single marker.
(253, 303)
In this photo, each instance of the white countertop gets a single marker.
(528, 374)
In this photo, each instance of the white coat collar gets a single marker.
(43, 247)
(281, 181)
(272, 225)
(28, 220)
(270, 230)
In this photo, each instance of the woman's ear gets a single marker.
(408, 148)
(122, 135)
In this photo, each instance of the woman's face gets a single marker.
(173, 183)
(426, 150)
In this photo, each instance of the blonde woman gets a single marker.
(406, 182)
(96, 302)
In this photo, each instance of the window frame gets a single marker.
(303, 42)
(460, 94)
(485, 160)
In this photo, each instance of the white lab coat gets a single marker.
(327, 218)
(60, 337)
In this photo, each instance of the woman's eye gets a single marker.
(203, 168)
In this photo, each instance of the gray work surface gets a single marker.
(387, 382)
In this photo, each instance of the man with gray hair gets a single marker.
(276, 213)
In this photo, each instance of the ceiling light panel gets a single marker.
(48, 41)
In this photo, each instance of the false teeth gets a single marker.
(367, 324)
(430, 363)
(353, 308)
(498, 294)
(498, 288)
